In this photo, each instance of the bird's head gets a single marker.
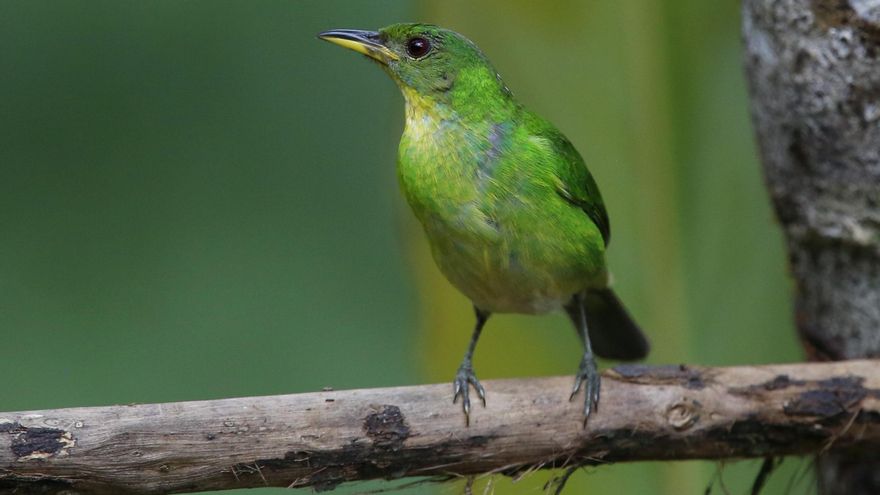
(427, 61)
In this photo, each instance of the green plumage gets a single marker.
(513, 216)
(501, 193)
(491, 195)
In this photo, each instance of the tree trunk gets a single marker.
(814, 79)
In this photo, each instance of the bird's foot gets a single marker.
(464, 379)
(588, 378)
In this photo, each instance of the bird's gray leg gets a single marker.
(588, 375)
(465, 377)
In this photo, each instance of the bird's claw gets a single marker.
(587, 378)
(464, 379)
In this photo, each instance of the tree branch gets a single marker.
(325, 438)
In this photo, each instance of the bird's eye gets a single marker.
(418, 47)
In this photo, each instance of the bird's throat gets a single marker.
(425, 116)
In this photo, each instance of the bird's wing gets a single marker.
(575, 183)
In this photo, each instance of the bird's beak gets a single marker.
(367, 42)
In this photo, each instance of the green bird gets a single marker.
(514, 218)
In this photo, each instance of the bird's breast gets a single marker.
(497, 228)
(440, 165)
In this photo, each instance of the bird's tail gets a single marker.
(613, 333)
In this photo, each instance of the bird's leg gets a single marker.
(587, 376)
(465, 377)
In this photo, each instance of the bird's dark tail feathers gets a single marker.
(613, 333)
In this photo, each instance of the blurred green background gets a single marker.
(198, 200)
